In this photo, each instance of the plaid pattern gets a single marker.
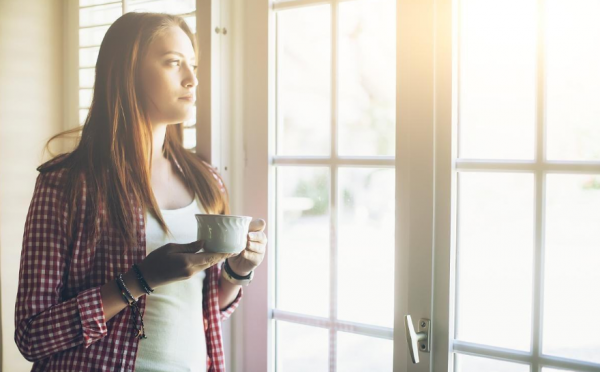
(59, 318)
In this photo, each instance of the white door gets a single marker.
(501, 104)
(494, 175)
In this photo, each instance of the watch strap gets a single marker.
(234, 278)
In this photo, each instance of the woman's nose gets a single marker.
(190, 80)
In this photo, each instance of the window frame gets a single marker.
(257, 347)
(427, 88)
(447, 167)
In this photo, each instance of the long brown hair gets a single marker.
(115, 145)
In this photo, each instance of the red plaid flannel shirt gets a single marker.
(59, 319)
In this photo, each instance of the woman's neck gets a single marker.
(158, 140)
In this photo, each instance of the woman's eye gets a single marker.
(178, 63)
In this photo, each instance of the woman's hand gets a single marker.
(255, 250)
(174, 262)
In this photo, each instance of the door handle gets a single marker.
(417, 341)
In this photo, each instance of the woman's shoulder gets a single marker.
(56, 163)
(54, 171)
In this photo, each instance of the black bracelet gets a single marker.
(141, 279)
(132, 303)
(124, 288)
(233, 274)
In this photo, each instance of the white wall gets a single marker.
(31, 80)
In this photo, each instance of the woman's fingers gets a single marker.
(257, 224)
(251, 256)
(257, 236)
(204, 258)
(256, 247)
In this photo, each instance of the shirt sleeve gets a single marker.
(213, 316)
(226, 313)
(46, 323)
(211, 297)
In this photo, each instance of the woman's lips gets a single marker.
(191, 99)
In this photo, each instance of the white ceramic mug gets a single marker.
(223, 233)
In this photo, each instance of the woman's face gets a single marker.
(168, 78)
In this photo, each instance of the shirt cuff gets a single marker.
(91, 313)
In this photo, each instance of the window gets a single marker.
(496, 180)
(334, 176)
(95, 17)
(524, 176)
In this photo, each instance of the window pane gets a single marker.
(85, 97)
(92, 36)
(99, 15)
(189, 137)
(301, 348)
(82, 115)
(366, 245)
(162, 6)
(367, 77)
(191, 22)
(497, 79)
(192, 118)
(467, 363)
(87, 77)
(556, 370)
(495, 259)
(303, 239)
(94, 2)
(358, 353)
(573, 79)
(304, 81)
(572, 262)
(88, 56)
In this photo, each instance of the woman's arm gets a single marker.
(44, 323)
(245, 262)
(228, 292)
(112, 300)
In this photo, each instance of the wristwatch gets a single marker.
(234, 278)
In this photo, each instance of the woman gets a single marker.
(110, 279)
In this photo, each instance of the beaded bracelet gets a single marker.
(128, 300)
(124, 288)
(131, 302)
(141, 333)
(142, 281)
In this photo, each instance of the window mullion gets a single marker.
(540, 183)
(333, 264)
(333, 267)
(339, 325)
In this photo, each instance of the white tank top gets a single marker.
(173, 318)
